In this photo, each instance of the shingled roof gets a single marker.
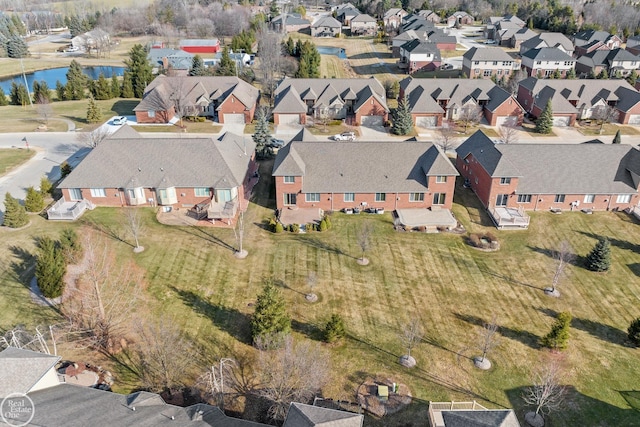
(490, 418)
(547, 54)
(301, 415)
(327, 21)
(487, 54)
(21, 369)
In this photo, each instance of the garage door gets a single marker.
(234, 118)
(372, 121)
(426, 122)
(561, 121)
(289, 119)
(507, 121)
(634, 119)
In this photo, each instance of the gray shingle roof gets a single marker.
(587, 36)
(559, 168)
(547, 54)
(419, 46)
(327, 21)
(21, 369)
(177, 58)
(164, 162)
(301, 415)
(487, 54)
(291, 19)
(550, 40)
(362, 167)
(363, 17)
(491, 418)
(393, 11)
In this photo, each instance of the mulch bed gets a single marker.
(369, 400)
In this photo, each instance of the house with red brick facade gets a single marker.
(419, 55)
(433, 101)
(357, 101)
(485, 62)
(225, 99)
(546, 61)
(332, 176)
(128, 170)
(393, 17)
(510, 179)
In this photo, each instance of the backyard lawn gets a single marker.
(194, 279)
(13, 157)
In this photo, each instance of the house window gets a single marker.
(151, 114)
(495, 62)
(501, 200)
(381, 197)
(623, 198)
(289, 199)
(499, 72)
(441, 178)
(477, 71)
(439, 198)
(75, 194)
(98, 192)
(202, 191)
(524, 198)
(559, 198)
(349, 197)
(505, 181)
(486, 73)
(589, 198)
(476, 62)
(416, 197)
(289, 179)
(312, 197)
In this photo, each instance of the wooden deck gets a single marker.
(509, 218)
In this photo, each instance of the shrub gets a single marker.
(490, 237)
(474, 240)
(327, 219)
(558, 337)
(311, 226)
(279, 228)
(323, 225)
(70, 246)
(599, 259)
(634, 332)
(50, 268)
(15, 215)
(45, 186)
(295, 228)
(65, 169)
(34, 202)
(334, 329)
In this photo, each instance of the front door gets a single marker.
(289, 199)
(501, 200)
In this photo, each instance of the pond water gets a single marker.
(55, 74)
(328, 50)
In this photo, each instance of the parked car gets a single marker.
(345, 136)
(118, 121)
(491, 42)
(275, 143)
(446, 67)
(72, 49)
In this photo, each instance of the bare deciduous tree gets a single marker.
(293, 373)
(445, 137)
(94, 138)
(605, 114)
(44, 110)
(410, 335)
(270, 59)
(563, 256)
(238, 230)
(509, 134)
(364, 240)
(488, 339)
(546, 394)
(470, 115)
(135, 226)
(213, 380)
(19, 337)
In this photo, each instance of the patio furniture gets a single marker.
(556, 211)
(383, 392)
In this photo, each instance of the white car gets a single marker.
(345, 136)
(119, 121)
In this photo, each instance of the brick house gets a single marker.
(433, 101)
(345, 13)
(363, 25)
(515, 38)
(486, 62)
(417, 23)
(545, 61)
(226, 99)
(557, 40)
(338, 175)
(633, 45)
(357, 101)
(613, 61)
(417, 55)
(289, 23)
(326, 26)
(436, 36)
(129, 170)
(589, 40)
(460, 18)
(170, 59)
(563, 176)
(199, 46)
(494, 24)
(393, 17)
(429, 15)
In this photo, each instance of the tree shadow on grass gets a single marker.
(230, 320)
(311, 331)
(525, 337)
(635, 268)
(622, 244)
(509, 279)
(323, 246)
(202, 234)
(108, 230)
(23, 267)
(577, 259)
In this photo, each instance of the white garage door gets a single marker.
(561, 121)
(634, 119)
(234, 118)
(507, 121)
(289, 119)
(372, 121)
(426, 122)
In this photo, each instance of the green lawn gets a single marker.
(194, 279)
(13, 157)
(593, 129)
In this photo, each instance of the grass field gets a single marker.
(608, 129)
(11, 158)
(452, 288)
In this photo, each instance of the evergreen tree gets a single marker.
(571, 74)
(544, 124)
(262, 135)
(618, 138)
(592, 74)
(402, 121)
(45, 186)
(599, 259)
(274, 10)
(197, 67)
(76, 82)
(18, 94)
(140, 70)
(41, 92)
(50, 268)
(291, 47)
(603, 74)
(16, 47)
(3, 98)
(633, 77)
(334, 330)
(634, 332)
(70, 246)
(65, 169)
(93, 112)
(617, 75)
(226, 67)
(15, 215)
(558, 337)
(115, 86)
(60, 91)
(127, 86)
(556, 74)
(270, 317)
(303, 69)
(34, 202)
(102, 88)
(298, 49)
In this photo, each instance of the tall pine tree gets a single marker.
(115, 86)
(3, 98)
(50, 268)
(262, 135)
(18, 94)
(544, 124)
(76, 82)
(34, 201)
(402, 121)
(599, 259)
(270, 317)
(226, 67)
(618, 138)
(93, 112)
(197, 67)
(140, 70)
(102, 88)
(15, 215)
(127, 86)
(61, 94)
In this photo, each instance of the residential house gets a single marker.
(363, 25)
(546, 61)
(459, 18)
(290, 23)
(393, 18)
(405, 37)
(326, 26)
(26, 371)
(345, 13)
(357, 101)
(469, 414)
(590, 47)
(417, 55)
(497, 23)
(200, 46)
(96, 39)
(332, 176)
(588, 40)
(573, 100)
(563, 176)
(301, 415)
(226, 99)
(514, 37)
(241, 59)
(417, 23)
(434, 101)
(429, 15)
(633, 45)
(129, 170)
(436, 35)
(613, 61)
(163, 59)
(557, 40)
(488, 61)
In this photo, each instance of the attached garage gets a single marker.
(511, 121)
(634, 119)
(561, 120)
(233, 118)
(289, 119)
(372, 121)
(427, 122)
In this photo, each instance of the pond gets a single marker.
(328, 50)
(55, 74)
